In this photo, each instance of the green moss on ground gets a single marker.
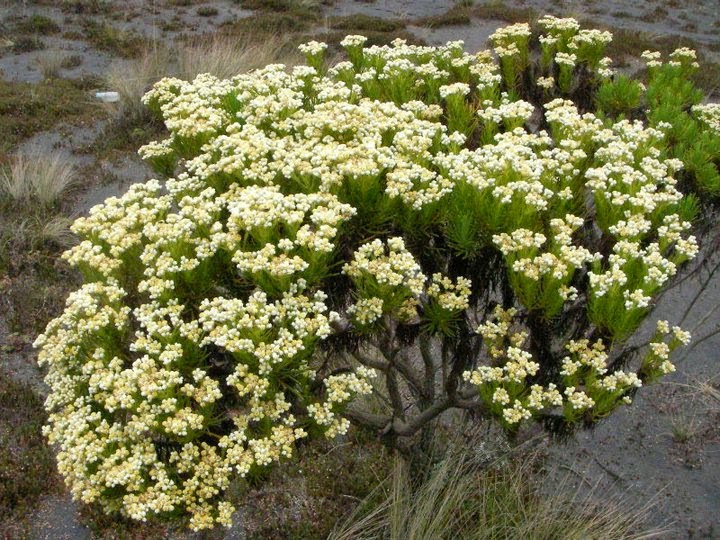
(105, 37)
(454, 16)
(27, 109)
(27, 466)
(38, 24)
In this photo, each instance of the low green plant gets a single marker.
(27, 467)
(620, 96)
(27, 108)
(456, 15)
(691, 127)
(27, 44)
(363, 23)
(439, 230)
(106, 37)
(38, 24)
(207, 11)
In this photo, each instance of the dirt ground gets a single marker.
(664, 449)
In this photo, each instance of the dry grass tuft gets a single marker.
(132, 79)
(50, 63)
(37, 176)
(225, 57)
(458, 499)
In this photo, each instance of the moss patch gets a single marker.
(107, 38)
(27, 466)
(454, 16)
(26, 109)
(503, 12)
(38, 24)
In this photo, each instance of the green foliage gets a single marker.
(106, 37)
(38, 24)
(621, 96)
(672, 95)
(28, 44)
(206, 11)
(456, 15)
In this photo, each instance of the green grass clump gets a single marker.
(206, 11)
(264, 23)
(106, 37)
(27, 44)
(38, 24)
(496, 9)
(456, 15)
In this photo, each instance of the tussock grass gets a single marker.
(226, 57)
(223, 57)
(38, 176)
(131, 79)
(33, 234)
(50, 63)
(459, 499)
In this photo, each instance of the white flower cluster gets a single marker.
(709, 113)
(392, 267)
(450, 296)
(657, 361)
(588, 383)
(366, 310)
(556, 26)
(313, 48)
(340, 389)
(510, 112)
(505, 386)
(565, 59)
(508, 40)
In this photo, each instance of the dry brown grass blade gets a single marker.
(38, 175)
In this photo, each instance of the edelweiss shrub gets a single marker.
(449, 230)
